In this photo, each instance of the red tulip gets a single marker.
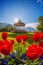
(0, 48)
(34, 52)
(5, 47)
(12, 41)
(4, 35)
(41, 35)
(25, 37)
(36, 37)
(9, 44)
(18, 38)
(1, 42)
(5, 50)
(41, 44)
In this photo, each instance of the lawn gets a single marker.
(13, 35)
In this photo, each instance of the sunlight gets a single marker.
(16, 20)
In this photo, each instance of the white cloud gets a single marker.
(33, 25)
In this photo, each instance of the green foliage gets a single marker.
(7, 29)
(11, 62)
(40, 26)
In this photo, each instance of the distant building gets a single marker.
(19, 26)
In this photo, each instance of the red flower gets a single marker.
(1, 42)
(9, 44)
(41, 35)
(5, 50)
(12, 41)
(34, 52)
(4, 35)
(25, 37)
(41, 44)
(36, 37)
(18, 38)
(5, 47)
(0, 48)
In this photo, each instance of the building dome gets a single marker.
(19, 23)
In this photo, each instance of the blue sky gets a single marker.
(26, 10)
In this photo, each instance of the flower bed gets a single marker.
(18, 52)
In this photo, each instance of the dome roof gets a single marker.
(19, 23)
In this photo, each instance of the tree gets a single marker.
(9, 28)
(40, 26)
